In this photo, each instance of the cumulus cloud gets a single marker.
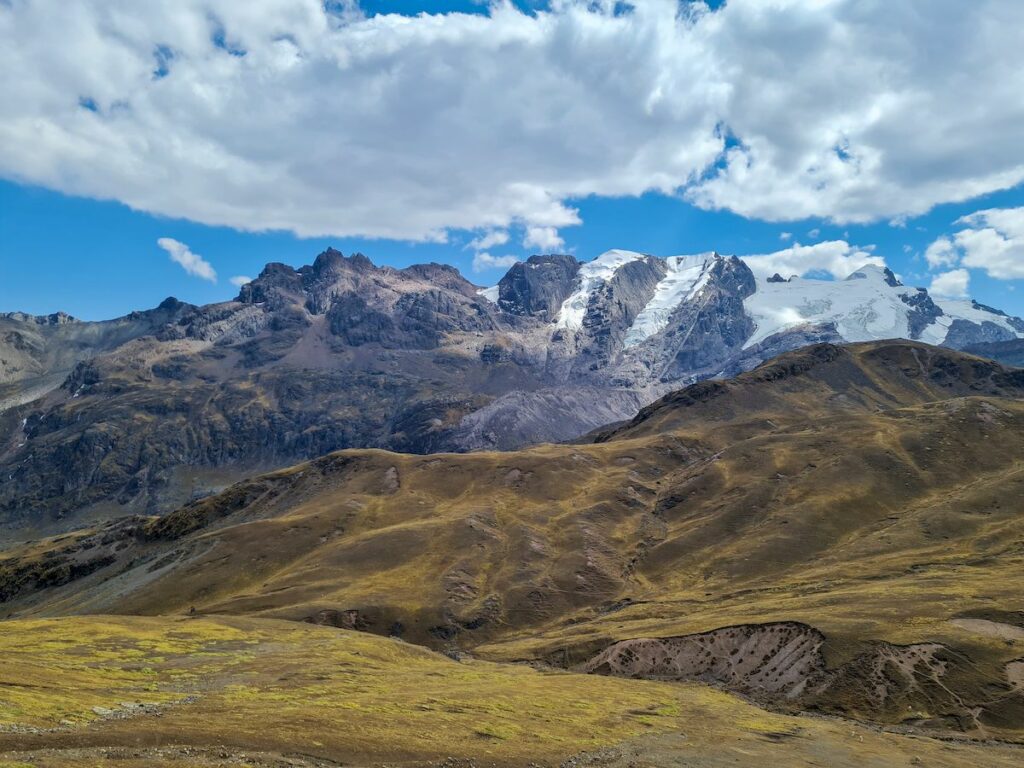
(785, 236)
(485, 261)
(311, 117)
(192, 263)
(240, 280)
(542, 238)
(991, 240)
(994, 241)
(488, 240)
(941, 253)
(954, 284)
(837, 107)
(836, 258)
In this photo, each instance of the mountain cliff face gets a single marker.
(142, 413)
(36, 353)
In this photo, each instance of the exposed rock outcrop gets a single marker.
(538, 286)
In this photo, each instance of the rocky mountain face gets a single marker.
(37, 353)
(143, 413)
(537, 287)
(1006, 352)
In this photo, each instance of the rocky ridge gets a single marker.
(142, 413)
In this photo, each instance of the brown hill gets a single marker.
(840, 529)
(822, 381)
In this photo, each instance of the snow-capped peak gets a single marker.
(867, 272)
(969, 311)
(871, 303)
(877, 273)
(862, 307)
(591, 276)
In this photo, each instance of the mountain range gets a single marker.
(143, 413)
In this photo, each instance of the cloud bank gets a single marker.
(310, 117)
(835, 258)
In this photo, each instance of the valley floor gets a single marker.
(219, 691)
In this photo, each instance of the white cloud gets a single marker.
(837, 258)
(941, 253)
(391, 126)
(814, 234)
(543, 238)
(864, 110)
(240, 280)
(192, 263)
(954, 283)
(488, 240)
(485, 261)
(994, 242)
(991, 240)
(785, 236)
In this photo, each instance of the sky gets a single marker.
(174, 147)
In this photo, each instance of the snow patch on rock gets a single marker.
(591, 276)
(963, 309)
(686, 278)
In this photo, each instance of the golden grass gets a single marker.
(867, 525)
(278, 684)
(283, 688)
(877, 527)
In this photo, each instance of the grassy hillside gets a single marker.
(870, 494)
(822, 381)
(79, 691)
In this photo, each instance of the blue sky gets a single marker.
(100, 259)
(576, 131)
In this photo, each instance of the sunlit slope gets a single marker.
(189, 692)
(288, 686)
(822, 381)
(893, 516)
